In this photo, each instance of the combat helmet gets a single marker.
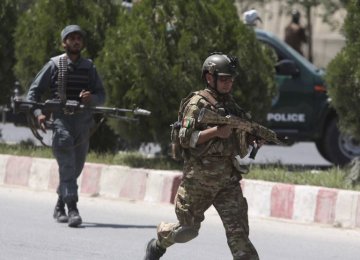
(220, 64)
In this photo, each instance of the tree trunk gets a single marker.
(309, 33)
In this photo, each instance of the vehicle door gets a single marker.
(293, 107)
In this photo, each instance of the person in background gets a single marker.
(295, 34)
(251, 18)
(69, 77)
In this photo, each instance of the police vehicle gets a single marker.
(302, 109)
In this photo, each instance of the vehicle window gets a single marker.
(272, 51)
(289, 53)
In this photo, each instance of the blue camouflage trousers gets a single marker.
(70, 147)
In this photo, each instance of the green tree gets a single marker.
(153, 58)
(37, 35)
(8, 17)
(343, 75)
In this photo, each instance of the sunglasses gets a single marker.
(226, 78)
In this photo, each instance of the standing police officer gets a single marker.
(69, 77)
(211, 173)
(295, 34)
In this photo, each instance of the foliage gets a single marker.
(35, 44)
(153, 58)
(331, 178)
(343, 75)
(136, 160)
(26, 148)
(103, 139)
(8, 17)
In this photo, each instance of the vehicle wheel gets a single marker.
(321, 149)
(339, 148)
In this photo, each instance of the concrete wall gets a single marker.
(300, 203)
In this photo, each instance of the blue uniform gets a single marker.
(71, 132)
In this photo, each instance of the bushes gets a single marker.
(343, 75)
(153, 58)
(150, 57)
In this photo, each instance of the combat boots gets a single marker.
(73, 213)
(59, 211)
(153, 251)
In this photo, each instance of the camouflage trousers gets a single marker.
(199, 190)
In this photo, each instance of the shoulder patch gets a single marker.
(187, 122)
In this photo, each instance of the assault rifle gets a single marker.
(70, 107)
(207, 116)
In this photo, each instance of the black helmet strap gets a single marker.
(215, 76)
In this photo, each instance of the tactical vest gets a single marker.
(176, 150)
(77, 79)
(238, 144)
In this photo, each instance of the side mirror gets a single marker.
(287, 68)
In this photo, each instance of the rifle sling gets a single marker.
(208, 97)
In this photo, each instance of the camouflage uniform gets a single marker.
(210, 178)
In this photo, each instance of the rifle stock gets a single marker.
(207, 116)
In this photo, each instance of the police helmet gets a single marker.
(71, 29)
(250, 17)
(220, 64)
(295, 15)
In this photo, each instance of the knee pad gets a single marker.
(185, 234)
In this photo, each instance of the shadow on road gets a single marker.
(293, 167)
(101, 225)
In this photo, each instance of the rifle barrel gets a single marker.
(54, 105)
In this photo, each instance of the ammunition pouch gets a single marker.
(175, 146)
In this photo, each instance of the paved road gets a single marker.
(302, 154)
(12, 134)
(299, 154)
(115, 229)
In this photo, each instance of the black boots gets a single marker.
(59, 211)
(153, 251)
(74, 217)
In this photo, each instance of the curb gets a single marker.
(305, 204)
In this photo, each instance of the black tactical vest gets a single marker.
(77, 79)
